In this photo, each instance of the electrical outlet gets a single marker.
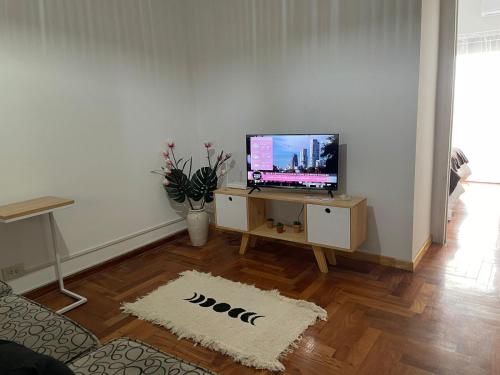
(13, 272)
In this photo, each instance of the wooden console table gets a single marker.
(44, 206)
(329, 223)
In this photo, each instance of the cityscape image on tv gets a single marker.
(308, 160)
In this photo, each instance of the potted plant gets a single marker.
(280, 228)
(270, 223)
(195, 189)
(297, 226)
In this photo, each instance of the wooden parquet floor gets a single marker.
(444, 318)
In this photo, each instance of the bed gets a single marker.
(459, 172)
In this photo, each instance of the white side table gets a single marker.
(44, 206)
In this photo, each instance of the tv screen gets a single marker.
(293, 160)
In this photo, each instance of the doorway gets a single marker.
(474, 194)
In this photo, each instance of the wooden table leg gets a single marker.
(330, 256)
(253, 241)
(244, 243)
(320, 259)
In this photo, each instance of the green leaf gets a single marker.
(203, 184)
(179, 186)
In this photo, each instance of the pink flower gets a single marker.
(169, 163)
(170, 144)
(208, 144)
(168, 171)
(165, 154)
(166, 182)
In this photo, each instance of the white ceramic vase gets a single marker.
(197, 223)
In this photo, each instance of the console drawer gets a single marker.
(231, 212)
(330, 226)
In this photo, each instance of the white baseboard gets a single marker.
(94, 256)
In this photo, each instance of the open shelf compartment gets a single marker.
(287, 235)
(258, 227)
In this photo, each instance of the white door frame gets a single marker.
(444, 118)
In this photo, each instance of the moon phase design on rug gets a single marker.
(245, 317)
(209, 302)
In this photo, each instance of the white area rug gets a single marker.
(253, 326)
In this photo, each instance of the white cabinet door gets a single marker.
(231, 212)
(329, 226)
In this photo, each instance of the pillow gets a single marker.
(16, 359)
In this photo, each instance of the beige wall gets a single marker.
(444, 114)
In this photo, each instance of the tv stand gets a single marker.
(255, 187)
(329, 225)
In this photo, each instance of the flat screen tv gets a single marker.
(308, 161)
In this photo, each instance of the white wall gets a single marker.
(90, 91)
(470, 19)
(422, 203)
(318, 66)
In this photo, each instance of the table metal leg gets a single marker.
(80, 299)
